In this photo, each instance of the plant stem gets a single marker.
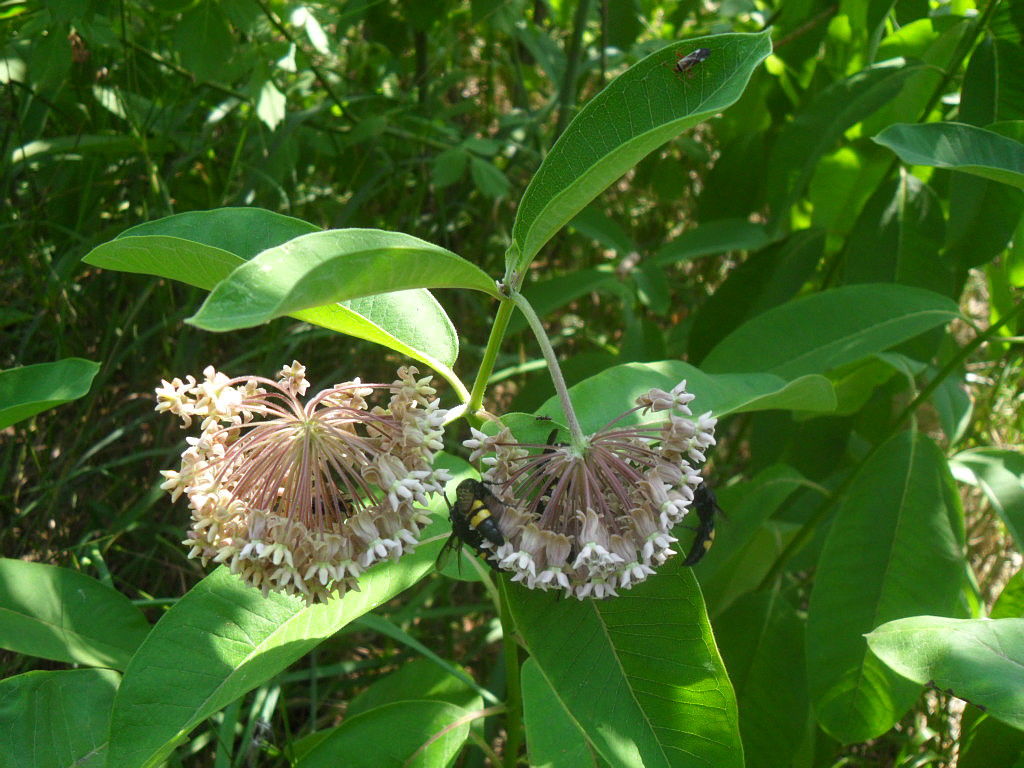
(556, 372)
(514, 693)
(476, 397)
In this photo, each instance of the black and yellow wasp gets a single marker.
(706, 506)
(473, 522)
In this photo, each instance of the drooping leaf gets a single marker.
(598, 657)
(818, 332)
(326, 267)
(959, 147)
(978, 660)
(636, 113)
(202, 248)
(895, 549)
(32, 389)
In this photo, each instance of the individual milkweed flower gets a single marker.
(596, 517)
(302, 497)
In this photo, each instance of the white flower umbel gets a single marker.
(302, 497)
(596, 516)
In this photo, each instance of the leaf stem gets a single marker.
(548, 351)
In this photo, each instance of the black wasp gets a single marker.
(706, 506)
(473, 523)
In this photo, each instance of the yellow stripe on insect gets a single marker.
(480, 513)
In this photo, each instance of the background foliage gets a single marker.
(850, 229)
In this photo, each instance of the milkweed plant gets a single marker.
(315, 502)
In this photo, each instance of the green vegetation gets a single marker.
(817, 224)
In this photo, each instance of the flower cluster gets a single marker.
(596, 517)
(302, 497)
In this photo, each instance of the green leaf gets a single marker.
(604, 396)
(959, 147)
(202, 248)
(419, 679)
(819, 332)
(56, 719)
(405, 733)
(999, 473)
(491, 182)
(637, 112)
(895, 549)
(816, 130)
(324, 267)
(221, 640)
(716, 236)
(60, 614)
(762, 642)
(978, 660)
(598, 658)
(898, 238)
(32, 389)
(552, 738)
(766, 279)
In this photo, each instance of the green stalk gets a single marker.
(476, 397)
(514, 692)
(557, 379)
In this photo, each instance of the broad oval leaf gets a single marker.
(959, 147)
(895, 549)
(637, 112)
(977, 660)
(816, 333)
(324, 267)
(60, 614)
(32, 389)
(202, 248)
(223, 639)
(638, 673)
(56, 719)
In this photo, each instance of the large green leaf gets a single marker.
(60, 614)
(895, 549)
(32, 389)
(56, 719)
(223, 639)
(959, 147)
(552, 738)
(202, 248)
(978, 660)
(639, 673)
(325, 267)
(637, 112)
(816, 333)
(604, 396)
